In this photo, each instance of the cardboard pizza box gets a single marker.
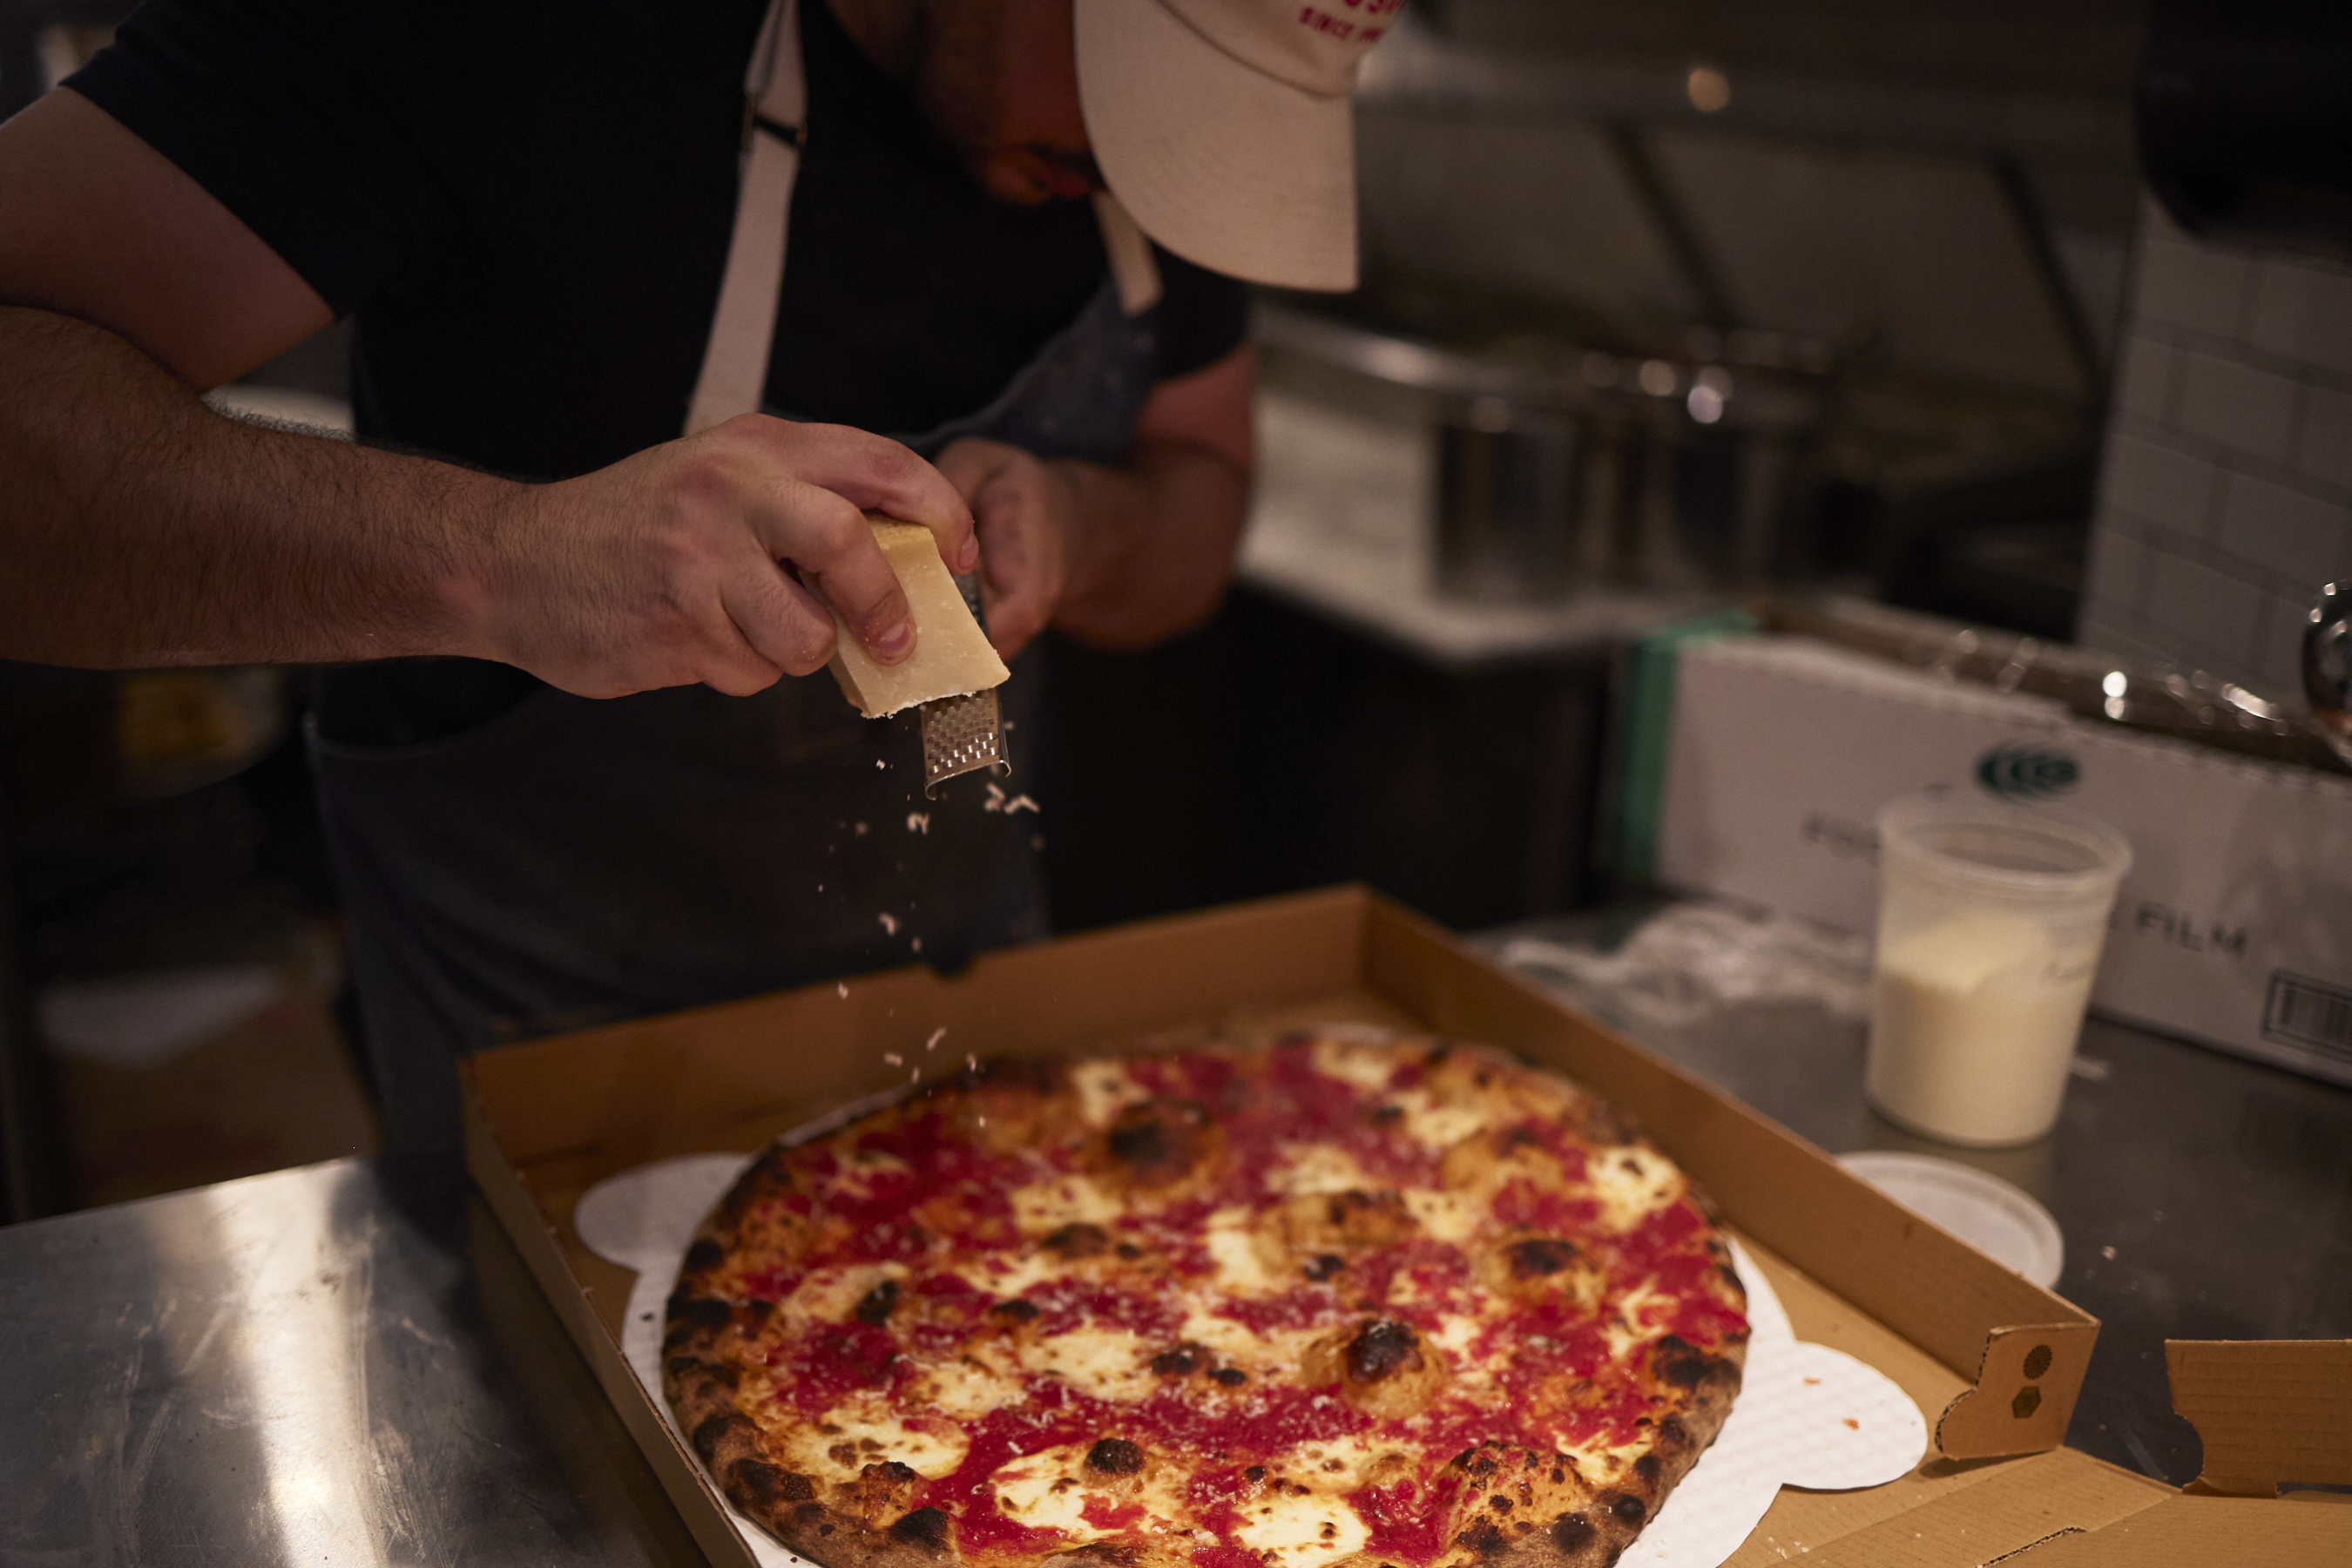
(1992, 1361)
(2276, 1417)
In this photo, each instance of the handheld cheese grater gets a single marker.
(961, 735)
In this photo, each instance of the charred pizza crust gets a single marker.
(1528, 1209)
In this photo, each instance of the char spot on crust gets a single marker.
(766, 1485)
(1538, 1258)
(700, 1311)
(703, 1255)
(1677, 1361)
(1484, 1538)
(710, 1375)
(1016, 1310)
(925, 1527)
(1646, 1469)
(875, 1305)
(712, 1433)
(1158, 1141)
(1115, 1456)
(1380, 1349)
(1098, 1555)
(1572, 1532)
(1079, 1240)
(1628, 1509)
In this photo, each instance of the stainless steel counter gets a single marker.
(2201, 1196)
(302, 1368)
(311, 1367)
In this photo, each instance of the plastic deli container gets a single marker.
(1991, 919)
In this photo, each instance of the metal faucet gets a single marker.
(2327, 666)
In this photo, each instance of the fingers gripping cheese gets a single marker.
(952, 655)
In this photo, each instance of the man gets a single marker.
(580, 788)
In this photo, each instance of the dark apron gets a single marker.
(573, 861)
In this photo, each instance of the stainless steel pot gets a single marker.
(1584, 469)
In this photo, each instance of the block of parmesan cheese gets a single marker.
(952, 655)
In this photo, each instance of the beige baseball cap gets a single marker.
(1223, 127)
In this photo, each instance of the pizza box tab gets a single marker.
(2276, 1417)
(1994, 1361)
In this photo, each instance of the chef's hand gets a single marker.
(1027, 510)
(669, 567)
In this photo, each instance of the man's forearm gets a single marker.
(140, 528)
(1157, 547)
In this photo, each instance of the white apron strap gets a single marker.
(1131, 266)
(775, 112)
(734, 376)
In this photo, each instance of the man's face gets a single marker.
(1000, 81)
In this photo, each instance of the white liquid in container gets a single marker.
(1973, 1024)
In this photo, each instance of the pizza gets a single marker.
(1331, 1302)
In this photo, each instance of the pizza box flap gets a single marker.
(2310, 1530)
(2268, 1412)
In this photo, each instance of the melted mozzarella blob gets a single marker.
(1364, 1067)
(1441, 1215)
(1232, 1240)
(1047, 1205)
(962, 1390)
(1631, 1183)
(1295, 1532)
(1316, 1168)
(1433, 1124)
(1047, 1490)
(1629, 1329)
(867, 1429)
(829, 1295)
(1106, 1363)
(1103, 1087)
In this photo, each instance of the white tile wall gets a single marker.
(2226, 496)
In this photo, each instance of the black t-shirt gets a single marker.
(524, 207)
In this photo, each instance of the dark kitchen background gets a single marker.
(1671, 311)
